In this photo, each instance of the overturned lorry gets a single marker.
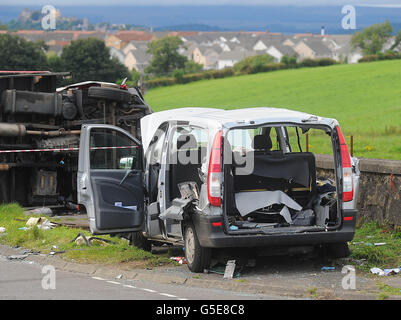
(40, 131)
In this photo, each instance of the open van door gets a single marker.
(110, 179)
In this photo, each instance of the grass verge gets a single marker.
(43, 240)
(380, 256)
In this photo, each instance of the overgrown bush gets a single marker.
(321, 62)
(253, 63)
(389, 55)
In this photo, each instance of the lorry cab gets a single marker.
(209, 178)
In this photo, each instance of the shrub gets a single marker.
(369, 58)
(326, 62)
(252, 63)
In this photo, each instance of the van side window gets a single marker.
(112, 150)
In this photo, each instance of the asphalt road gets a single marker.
(22, 280)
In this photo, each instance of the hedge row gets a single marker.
(186, 78)
(391, 55)
(229, 72)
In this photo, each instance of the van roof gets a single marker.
(229, 118)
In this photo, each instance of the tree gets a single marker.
(55, 63)
(289, 61)
(165, 56)
(3, 26)
(19, 54)
(89, 59)
(372, 39)
(192, 67)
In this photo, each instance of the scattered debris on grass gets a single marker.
(41, 222)
(81, 239)
(385, 272)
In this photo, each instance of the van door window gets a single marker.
(112, 150)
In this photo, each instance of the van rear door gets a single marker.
(110, 179)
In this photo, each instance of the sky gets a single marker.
(385, 3)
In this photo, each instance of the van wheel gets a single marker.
(338, 250)
(109, 94)
(198, 258)
(138, 240)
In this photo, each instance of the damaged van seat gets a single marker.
(187, 170)
(285, 172)
(262, 143)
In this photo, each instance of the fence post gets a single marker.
(352, 146)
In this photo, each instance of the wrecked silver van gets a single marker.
(211, 178)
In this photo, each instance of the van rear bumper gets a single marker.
(214, 236)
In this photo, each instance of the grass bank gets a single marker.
(386, 256)
(365, 98)
(43, 240)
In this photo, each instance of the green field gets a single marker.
(365, 98)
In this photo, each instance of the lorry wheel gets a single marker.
(138, 240)
(338, 250)
(198, 258)
(109, 94)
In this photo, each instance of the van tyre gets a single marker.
(198, 258)
(109, 94)
(338, 250)
(138, 240)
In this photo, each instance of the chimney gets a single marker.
(322, 32)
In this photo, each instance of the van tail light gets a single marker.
(348, 185)
(214, 173)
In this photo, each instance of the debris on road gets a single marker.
(370, 244)
(44, 210)
(18, 257)
(53, 251)
(180, 260)
(327, 268)
(230, 268)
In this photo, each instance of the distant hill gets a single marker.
(191, 27)
(288, 19)
(364, 98)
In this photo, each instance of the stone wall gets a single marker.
(379, 196)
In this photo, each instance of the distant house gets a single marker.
(207, 56)
(118, 54)
(277, 51)
(260, 46)
(121, 39)
(229, 58)
(342, 48)
(137, 59)
(312, 49)
(135, 45)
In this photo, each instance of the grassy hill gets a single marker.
(364, 98)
